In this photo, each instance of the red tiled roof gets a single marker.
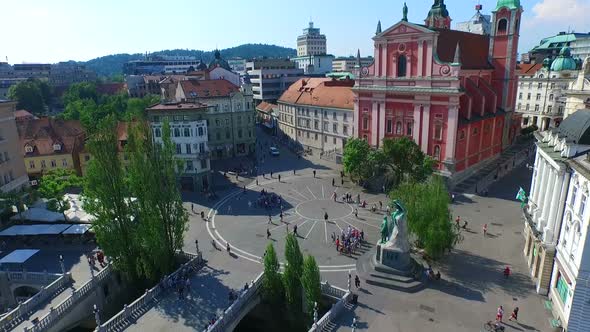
(322, 92)
(265, 107)
(177, 106)
(207, 88)
(474, 48)
(43, 133)
(528, 69)
(20, 114)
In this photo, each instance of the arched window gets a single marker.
(567, 230)
(401, 66)
(436, 154)
(398, 128)
(502, 26)
(410, 126)
(576, 238)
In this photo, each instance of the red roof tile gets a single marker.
(177, 106)
(321, 92)
(474, 48)
(41, 134)
(207, 88)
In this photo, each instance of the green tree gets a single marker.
(402, 159)
(107, 198)
(136, 107)
(55, 184)
(80, 91)
(428, 216)
(293, 272)
(32, 95)
(153, 181)
(310, 280)
(272, 284)
(355, 158)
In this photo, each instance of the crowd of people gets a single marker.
(179, 282)
(349, 240)
(269, 200)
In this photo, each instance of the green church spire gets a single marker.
(510, 4)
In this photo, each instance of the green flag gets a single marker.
(521, 196)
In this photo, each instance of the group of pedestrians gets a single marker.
(180, 282)
(269, 200)
(97, 257)
(349, 240)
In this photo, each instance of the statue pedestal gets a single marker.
(394, 258)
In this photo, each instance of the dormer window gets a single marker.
(28, 149)
(56, 147)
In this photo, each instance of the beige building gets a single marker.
(348, 64)
(13, 176)
(578, 95)
(317, 114)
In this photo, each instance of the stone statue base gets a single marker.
(394, 258)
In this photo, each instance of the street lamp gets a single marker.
(61, 264)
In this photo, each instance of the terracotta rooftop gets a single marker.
(474, 48)
(265, 107)
(42, 134)
(322, 92)
(207, 88)
(177, 106)
(528, 69)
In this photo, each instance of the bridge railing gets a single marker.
(55, 314)
(120, 320)
(16, 316)
(345, 297)
(32, 277)
(234, 310)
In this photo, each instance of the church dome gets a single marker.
(564, 61)
(510, 4)
(219, 62)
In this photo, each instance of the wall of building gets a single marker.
(13, 175)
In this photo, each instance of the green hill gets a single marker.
(113, 64)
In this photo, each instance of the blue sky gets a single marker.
(56, 30)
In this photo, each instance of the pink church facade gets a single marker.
(452, 92)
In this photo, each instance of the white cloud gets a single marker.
(564, 12)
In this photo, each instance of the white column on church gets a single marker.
(374, 124)
(451, 132)
(382, 123)
(542, 192)
(561, 204)
(428, 57)
(377, 60)
(536, 179)
(547, 201)
(416, 129)
(384, 60)
(425, 127)
(420, 60)
(356, 129)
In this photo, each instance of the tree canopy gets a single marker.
(429, 218)
(32, 95)
(293, 272)
(355, 159)
(310, 280)
(272, 283)
(54, 184)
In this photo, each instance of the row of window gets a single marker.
(538, 97)
(316, 113)
(181, 132)
(4, 157)
(188, 148)
(540, 85)
(315, 135)
(537, 107)
(228, 134)
(43, 164)
(189, 165)
(6, 178)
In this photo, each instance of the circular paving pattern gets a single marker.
(241, 221)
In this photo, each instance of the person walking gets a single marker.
(256, 180)
(326, 216)
(271, 174)
(380, 205)
(314, 173)
(279, 177)
(295, 230)
(356, 213)
(458, 221)
(269, 219)
(514, 315)
(342, 181)
(357, 281)
(485, 230)
(500, 314)
(267, 234)
(293, 171)
(333, 182)
(193, 207)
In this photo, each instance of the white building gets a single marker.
(479, 23)
(317, 114)
(311, 42)
(190, 135)
(271, 77)
(237, 64)
(348, 64)
(578, 95)
(314, 64)
(557, 221)
(541, 90)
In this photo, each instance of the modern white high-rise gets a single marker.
(479, 23)
(311, 42)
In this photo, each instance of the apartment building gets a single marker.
(271, 77)
(317, 113)
(13, 176)
(348, 64)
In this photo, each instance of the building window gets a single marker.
(240, 133)
(315, 113)
(549, 108)
(64, 163)
(158, 132)
(574, 195)
(540, 85)
(200, 130)
(576, 239)
(189, 165)
(28, 149)
(528, 96)
(315, 136)
(218, 136)
(334, 140)
(178, 149)
(438, 128)
(187, 132)
(227, 134)
(550, 97)
(582, 207)
(502, 26)
(462, 135)
(344, 117)
(475, 131)
(538, 97)
(389, 126)
(325, 138)
(401, 66)
(334, 115)
(527, 107)
(316, 125)
(398, 128)
(562, 288)
(56, 147)
(345, 130)
(530, 85)
(520, 95)
(31, 164)
(43, 164)
(188, 148)
(203, 163)
(176, 132)
(536, 108)
(217, 122)
(335, 127)
(53, 163)
(409, 128)
(156, 119)
(552, 85)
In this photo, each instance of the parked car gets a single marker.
(274, 151)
